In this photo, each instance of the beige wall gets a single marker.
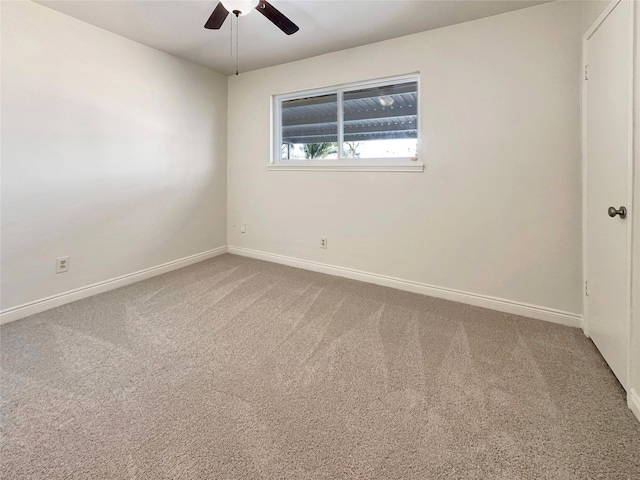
(496, 212)
(112, 153)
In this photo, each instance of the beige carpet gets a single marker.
(240, 369)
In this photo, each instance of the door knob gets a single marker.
(622, 211)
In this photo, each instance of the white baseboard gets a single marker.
(31, 308)
(499, 304)
(633, 401)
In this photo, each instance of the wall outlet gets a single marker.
(323, 242)
(243, 228)
(62, 264)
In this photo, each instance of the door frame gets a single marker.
(585, 172)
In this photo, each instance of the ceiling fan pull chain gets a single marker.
(237, 32)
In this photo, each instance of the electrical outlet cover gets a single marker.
(62, 264)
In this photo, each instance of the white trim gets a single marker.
(346, 167)
(340, 125)
(585, 187)
(633, 396)
(485, 301)
(31, 308)
(633, 401)
(379, 82)
(630, 186)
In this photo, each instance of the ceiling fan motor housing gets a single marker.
(241, 6)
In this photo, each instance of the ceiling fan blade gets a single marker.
(217, 18)
(277, 18)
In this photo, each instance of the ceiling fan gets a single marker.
(242, 7)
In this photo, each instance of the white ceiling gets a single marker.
(177, 27)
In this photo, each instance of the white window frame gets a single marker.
(398, 164)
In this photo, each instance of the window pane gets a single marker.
(310, 128)
(381, 122)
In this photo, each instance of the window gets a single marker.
(364, 126)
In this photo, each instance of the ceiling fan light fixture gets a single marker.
(242, 6)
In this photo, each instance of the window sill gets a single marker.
(347, 167)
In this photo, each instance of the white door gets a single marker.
(608, 102)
